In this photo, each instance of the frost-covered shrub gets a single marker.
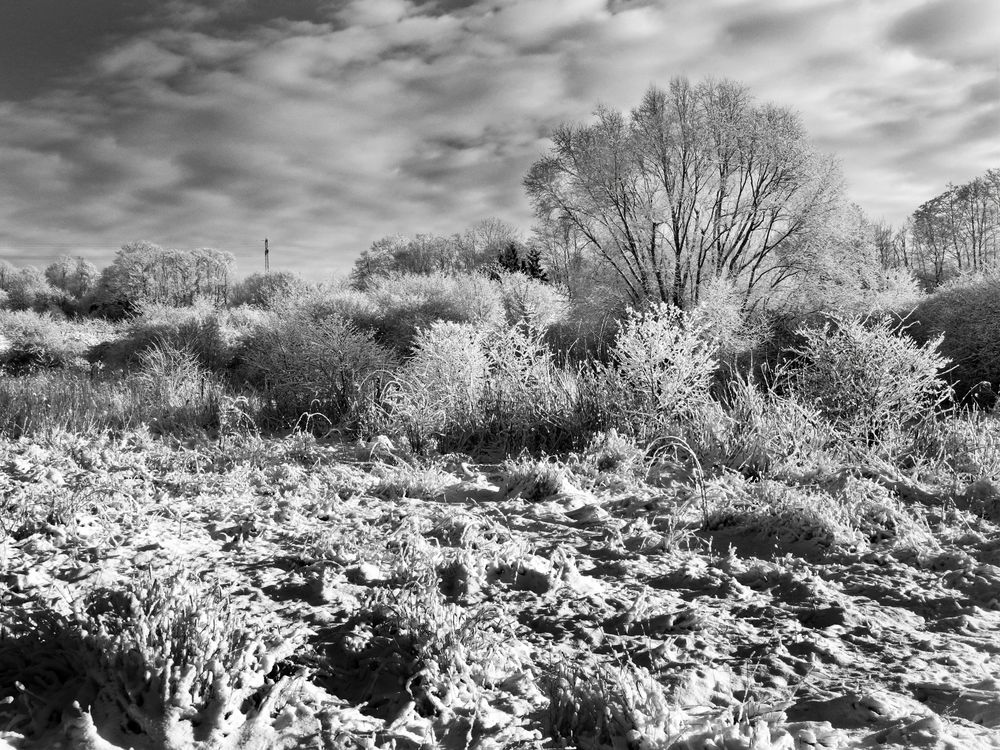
(532, 401)
(868, 376)
(609, 707)
(663, 369)
(161, 664)
(309, 365)
(441, 386)
(770, 432)
(267, 290)
(405, 304)
(530, 302)
(173, 389)
(31, 341)
(721, 320)
(199, 328)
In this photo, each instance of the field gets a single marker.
(301, 592)
(252, 528)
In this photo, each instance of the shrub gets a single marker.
(267, 290)
(609, 706)
(310, 365)
(721, 320)
(966, 311)
(531, 302)
(448, 652)
(868, 376)
(162, 663)
(405, 304)
(663, 369)
(442, 384)
(770, 433)
(199, 328)
(174, 389)
(530, 401)
(468, 384)
(31, 341)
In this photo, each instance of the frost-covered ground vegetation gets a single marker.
(259, 528)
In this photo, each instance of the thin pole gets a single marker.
(267, 261)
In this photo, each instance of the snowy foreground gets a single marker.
(293, 593)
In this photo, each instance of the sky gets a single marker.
(324, 125)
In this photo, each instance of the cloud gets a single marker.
(957, 31)
(325, 125)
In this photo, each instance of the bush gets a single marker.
(721, 320)
(163, 663)
(267, 290)
(966, 311)
(868, 376)
(531, 302)
(530, 401)
(31, 341)
(199, 328)
(442, 384)
(663, 370)
(174, 390)
(769, 433)
(470, 385)
(310, 365)
(401, 305)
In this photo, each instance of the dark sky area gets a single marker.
(325, 124)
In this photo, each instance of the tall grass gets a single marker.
(169, 391)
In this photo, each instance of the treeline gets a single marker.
(954, 233)
(140, 274)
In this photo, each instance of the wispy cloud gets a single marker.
(324, 125)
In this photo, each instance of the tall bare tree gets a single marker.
(697, 182)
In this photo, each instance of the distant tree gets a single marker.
(27, 289)
(516, 258)
(472, 250)
(75, 276)
(143, 273)
(424, 254)
(264, 290)
(7, 272)
(697, 182)
(531, 264)
(958, 230)
(379, 260)
(509, 258)
(484, 239)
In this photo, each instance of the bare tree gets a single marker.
(696, 183)
(959, 230)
